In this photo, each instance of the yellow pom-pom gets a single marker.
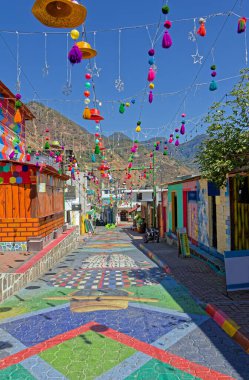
(151, 85)
(87, 113)
(74, 34)
(138, 129)
(127, 104)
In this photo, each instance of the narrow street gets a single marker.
(107, 312)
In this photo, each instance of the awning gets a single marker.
(133, 209)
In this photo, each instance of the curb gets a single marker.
(229, 326)
(154, 258)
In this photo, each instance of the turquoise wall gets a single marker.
(178, 189)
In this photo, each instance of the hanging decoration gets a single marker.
(87, 51)
(18, 67)
(192, 37)
(75, 55)
(59, 14)
(67, 88)
(119, 84)
(45, 69)
(167, 40)
(202, 29)
(182, 130)
(94, 70)
(18, 105)
(177, 143)
(75, 34)
(213, 85)
(122, 108)
(242, 25)
(138, 127)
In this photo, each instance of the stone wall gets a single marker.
(10, 283)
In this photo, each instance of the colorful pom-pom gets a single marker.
(242, 25)
(151, 75)
(151, 52)
(122, 108)
(165, 9)
(213, 86)
(75, 55)
(167, 24)
(150, 97)
(167, 41)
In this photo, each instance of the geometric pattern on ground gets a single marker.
(106, 279)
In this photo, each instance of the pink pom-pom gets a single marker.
(177, 143)
(183, 115)
(151, 75)
(167, 41)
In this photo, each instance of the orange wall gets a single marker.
(20, 229)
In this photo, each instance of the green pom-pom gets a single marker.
(213, 67)
(135, 141)
(139, 123)
(18, 104)
(97, 149)
(155, 144)
(46, 145)
(122, 108)
(165, 9)
(165, 153)
(177, 136)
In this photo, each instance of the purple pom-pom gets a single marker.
(182, 130)
(176, 130)
(151, 52)
(167, 41)
(18, 96)
(214, 74)
(177, 143)
(75, 55)
(150, 97)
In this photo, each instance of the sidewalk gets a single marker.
(207, 286)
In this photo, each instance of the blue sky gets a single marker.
(176, 70)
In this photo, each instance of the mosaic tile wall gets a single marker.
(13, 246)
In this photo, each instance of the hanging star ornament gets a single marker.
(119, 85)
(45, 70)
(67, 89)
(191, 36)
(95, 70)
(197, 57)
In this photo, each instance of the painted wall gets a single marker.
(223, 221)
(203, 215)
(178, 189)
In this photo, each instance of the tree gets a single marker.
(227, 145)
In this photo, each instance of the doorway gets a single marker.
(123, 216)
(174, 212)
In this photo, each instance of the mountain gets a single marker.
(185, 152)
(117, 147)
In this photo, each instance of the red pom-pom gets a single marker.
(88, 76)
(167, 24)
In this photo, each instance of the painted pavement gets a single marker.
(107, 312)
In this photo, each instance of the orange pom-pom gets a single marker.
(18, 117)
